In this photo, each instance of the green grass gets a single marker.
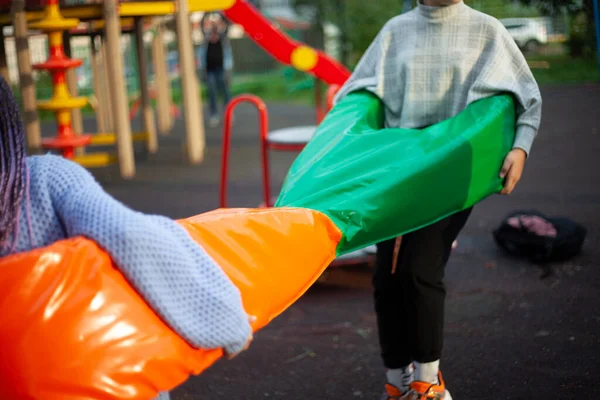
(270, 86)
(565, 70)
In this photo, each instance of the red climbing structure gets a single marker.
(57, 64)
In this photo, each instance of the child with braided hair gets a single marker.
(47, 198)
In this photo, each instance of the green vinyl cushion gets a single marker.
(377, 183)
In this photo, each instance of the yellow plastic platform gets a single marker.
(96, 160)
(55, 24)
(63, 104)
(132, 9)
(109, 138)
(99, 24)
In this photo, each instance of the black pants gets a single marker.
(410, 303)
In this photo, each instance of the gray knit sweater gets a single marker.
(428, 64)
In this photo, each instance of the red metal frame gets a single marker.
(264, 130)
(57, 65)
(265, 145)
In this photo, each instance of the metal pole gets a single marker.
(161, 82)
(76, 117)
(146, 109)
(101, 105)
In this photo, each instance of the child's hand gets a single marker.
(251, 320)
(512, 169)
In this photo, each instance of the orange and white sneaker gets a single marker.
(428, 391)
(393, 393)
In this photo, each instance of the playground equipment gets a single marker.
(284, 49)
(161, 91)
(109, 17)
(264, 143)
(361, 174)
(99, 326)
(81, 333)
(61, 103)
(106, 135)
(292, 139)
(288, 139)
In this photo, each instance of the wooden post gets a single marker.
(106, 92)
(117, 87)
(98, 90)
(146, 106)
(76, 118)
(161, 82)
(28, 94)
(3, 64)
(194, 120)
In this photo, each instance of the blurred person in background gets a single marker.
(216, 63)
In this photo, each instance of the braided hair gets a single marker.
(13, 172)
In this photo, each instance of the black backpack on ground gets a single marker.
(521, 242)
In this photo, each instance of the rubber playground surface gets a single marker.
(513, 330)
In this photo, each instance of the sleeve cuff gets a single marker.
(524, 138)
(238, 347)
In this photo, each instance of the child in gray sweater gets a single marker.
(427, 66)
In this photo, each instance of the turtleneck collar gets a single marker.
(440, 13)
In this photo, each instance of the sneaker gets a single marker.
(393, 393)
(427, 391)
(213, 122)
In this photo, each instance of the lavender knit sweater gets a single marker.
(179, 280)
